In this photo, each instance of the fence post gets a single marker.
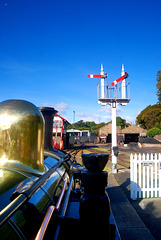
(131, 176)
(140, 175)
(159, 174)
(156, 192)
(133, 193)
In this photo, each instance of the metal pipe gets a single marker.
(49, 213)
(45, 223)
(61, 195)
(64, 207)
(24, 196)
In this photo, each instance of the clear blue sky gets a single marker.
(48, 47)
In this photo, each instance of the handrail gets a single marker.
(61, 195)
(24, 196)
(64, 207)
(45, 223)
(49, 213)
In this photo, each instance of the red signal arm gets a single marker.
(119, 79)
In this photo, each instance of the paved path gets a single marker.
(129, 224)
(149, 210)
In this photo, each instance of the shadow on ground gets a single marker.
(148, 209)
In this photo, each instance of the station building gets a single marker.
(132, 133)
(105, 133)
(126, 135)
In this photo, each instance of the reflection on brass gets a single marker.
(21, 135)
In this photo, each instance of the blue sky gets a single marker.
(48, 47)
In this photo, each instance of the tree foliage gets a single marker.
(121, 122)
(158, 85)
(153, 131)
(91, 126)
(150, 117)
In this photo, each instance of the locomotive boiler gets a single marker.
(38, 194)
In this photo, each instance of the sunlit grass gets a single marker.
(101, 149)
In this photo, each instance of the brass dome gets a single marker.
(21, 136)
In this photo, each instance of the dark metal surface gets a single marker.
(48, 113)
(6, 213)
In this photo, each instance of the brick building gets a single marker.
(105, 133)
(128, 134)
(132, 133)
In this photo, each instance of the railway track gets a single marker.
(75, 150)
(123, 160)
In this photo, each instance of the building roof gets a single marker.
(64, 120)
(102, 135)
(133, 129)
(158, 137)
(107, 129)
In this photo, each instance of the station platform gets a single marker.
(139, 219)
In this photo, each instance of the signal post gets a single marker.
(113, 94)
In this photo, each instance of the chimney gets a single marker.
(48, 114)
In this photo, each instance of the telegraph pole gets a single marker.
(73, 116)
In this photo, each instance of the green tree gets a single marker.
(153, 131)
(91, 126)
(120, 122)
(150, 117)
(158, 85)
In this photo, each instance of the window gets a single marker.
(57, 124)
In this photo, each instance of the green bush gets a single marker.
(158, 125)
(153, 131)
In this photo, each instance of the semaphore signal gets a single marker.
(119, 79)
(97, 75)
(113, 95)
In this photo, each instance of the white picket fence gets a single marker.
(145, 175)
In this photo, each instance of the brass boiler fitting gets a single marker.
(21, 136)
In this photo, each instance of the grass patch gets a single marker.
(102, 149)
(123, 153)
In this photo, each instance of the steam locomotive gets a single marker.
(38, 194)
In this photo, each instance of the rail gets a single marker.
(49, 213)
(64, 207)
(51, 209)
(75, 151)
(24, 196)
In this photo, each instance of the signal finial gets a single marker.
(123, 70)
(102, 72)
